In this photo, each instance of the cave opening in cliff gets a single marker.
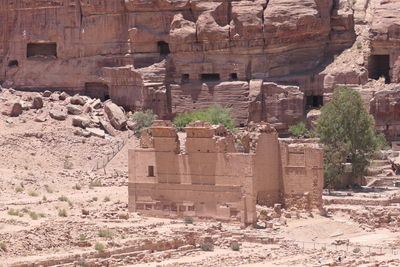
(379, 66)
(13, 63)
(163, 48)
(209, 77)
(43, 50)
(233, 76)
(97, 90)
(314, 101)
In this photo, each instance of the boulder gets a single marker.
(81, 132)
(82, 122)
(96, 104)
(54, 97)
(74, 109)
(37, 102)
(46, 93)
(108, 127)
(96, 132)
(13, 109)
(131, 125)
(115, 115)
(63, 96)
(25, 105)
(41, 119)
(77, 100)
(58, 114)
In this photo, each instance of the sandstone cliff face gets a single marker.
(170, 56)
(178, 55)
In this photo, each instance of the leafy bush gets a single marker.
(188, 220)
(356, 250)
(99, 247)
(19, 190)
(216, 114)
(3, 246)
(299, 129)
(143, 119)
(82, 237)
(106, 199)
(33, 215)
(206, 247)
(33, 194)
(13, 212)
(95, 183)
(107, 233)
(63, 198)
(62, 213)
(235, 247)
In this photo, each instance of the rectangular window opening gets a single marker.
(314, 101)
(42, 50)
(209, 77)
(150, 171)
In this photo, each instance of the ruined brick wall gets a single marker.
(302, 175)
(205, 181)
(209, 178)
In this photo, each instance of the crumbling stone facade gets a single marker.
(207, 176)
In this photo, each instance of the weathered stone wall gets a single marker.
(210, 178)
(302, 172)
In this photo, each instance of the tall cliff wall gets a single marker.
(177, 55)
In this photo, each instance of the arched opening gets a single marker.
(163, 48)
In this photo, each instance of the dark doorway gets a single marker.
(234, 76)
(185, 78)
(163, 48)
(379, 66)
(150, 171)
(97, 90)
(314, 101)
(208, 77)
(13, 63)
(47, 50)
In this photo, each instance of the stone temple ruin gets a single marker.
(210, 176)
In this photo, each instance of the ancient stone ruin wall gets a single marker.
(302, 169)
(172, 56)
(208, 177)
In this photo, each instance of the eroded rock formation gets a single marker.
(174, 56)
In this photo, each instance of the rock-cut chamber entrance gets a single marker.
(379, 66)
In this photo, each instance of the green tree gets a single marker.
(348, 134)
(143, 119)
(216, 114)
